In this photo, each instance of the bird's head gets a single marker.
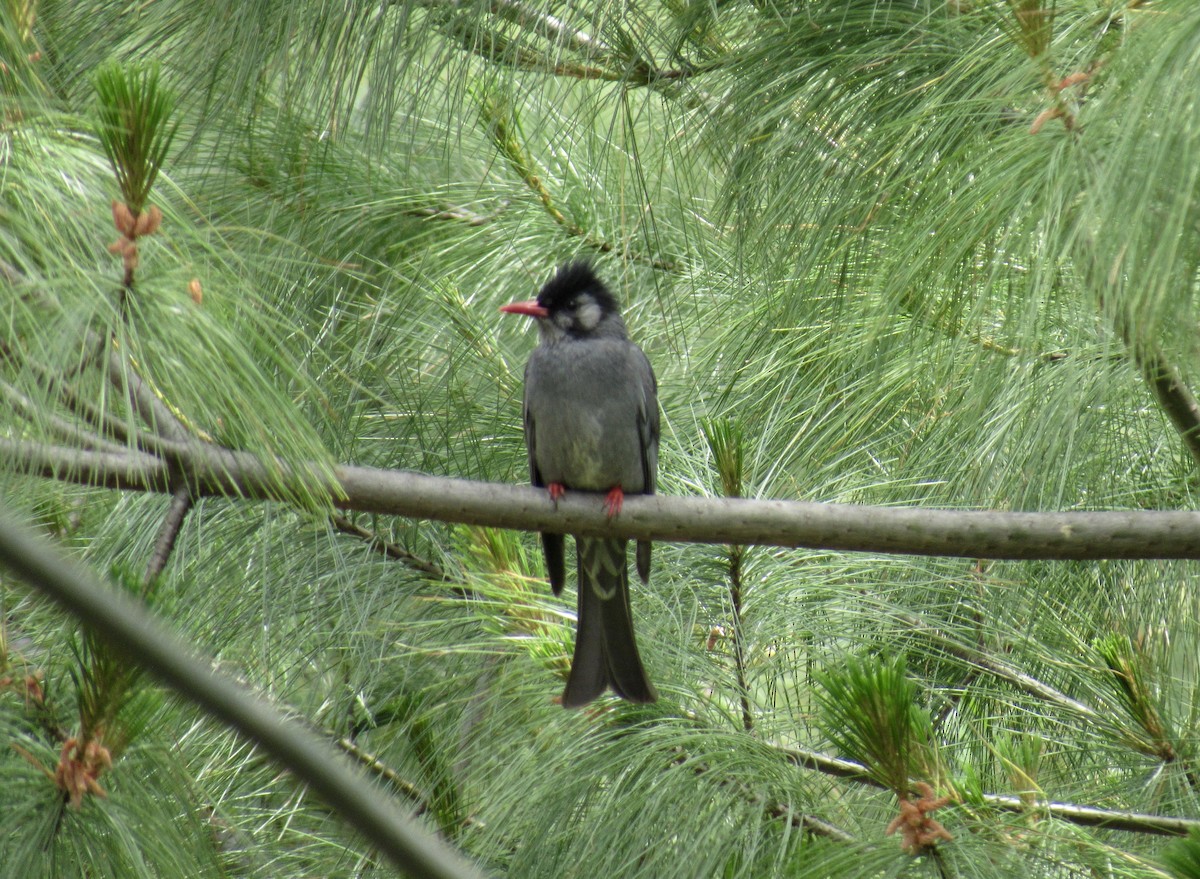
(572, 304)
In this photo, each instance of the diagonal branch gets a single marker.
(388, 549)
(1002, 670)
(152, 410)
(212, 471)
(68, 430)
(123, 621)
(1174, 397)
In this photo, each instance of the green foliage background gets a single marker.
(835, 234)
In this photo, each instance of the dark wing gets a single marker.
(648, 433)
(552, 544)
(535, 477)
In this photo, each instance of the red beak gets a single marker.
(529, 307)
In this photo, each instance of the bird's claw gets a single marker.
(613, 501)
(557, 490)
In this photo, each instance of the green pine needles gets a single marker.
(135, 126)
(871, 713)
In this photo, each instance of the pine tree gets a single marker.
(915, 255)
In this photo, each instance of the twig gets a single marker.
(600, 61)
(774, 810)
(59, 384)
(110, 426)
(503, 127)
(1001, 669)
(458, 214)
(388, 549)
(810, 823)
(553, 29)
(374, 764)
(378, 767)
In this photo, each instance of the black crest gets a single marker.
(570, 280)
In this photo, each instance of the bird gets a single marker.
(591, 421)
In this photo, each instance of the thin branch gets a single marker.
(505, 133)
(1164, 379)
(374, 764)
(1174, 396)
(736, 553)
(106, 423)
(1090, 816)
(553, 29)
(66, 429)
(979, 659)
(781, 811)
(213, 471)
(810, 823)
(59, 384)
(168, 426)
(388, 549)
(1084, 816)
(494, 47)
(457, 214)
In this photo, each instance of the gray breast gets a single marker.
(584, 399)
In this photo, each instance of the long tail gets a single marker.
(606, 653)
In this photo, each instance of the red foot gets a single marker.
(613, 501)
(557, 490)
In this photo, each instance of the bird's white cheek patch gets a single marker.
(587, 316)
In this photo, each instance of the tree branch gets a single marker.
(1002, 670)
(213, 471)
(152, 410)
(124, 622)
(1174, 397)
(67, 430)
(388, 549)
(1084, 816)
(168, 533)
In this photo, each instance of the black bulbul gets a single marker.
(591, 424)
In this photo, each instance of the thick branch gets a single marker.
(213, 471)
(124, 622)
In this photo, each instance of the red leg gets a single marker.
(557, 490)
(613, 501)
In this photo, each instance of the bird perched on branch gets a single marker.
(591, 424)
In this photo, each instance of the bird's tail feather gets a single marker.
(606, 653)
